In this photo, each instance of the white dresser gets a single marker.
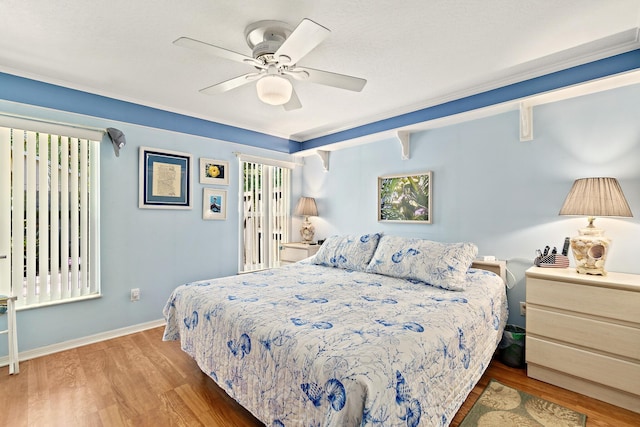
(583, 333)
(294, 252)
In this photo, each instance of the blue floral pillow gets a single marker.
(443, 265)
(351, 252)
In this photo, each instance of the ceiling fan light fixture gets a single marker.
(274, 89)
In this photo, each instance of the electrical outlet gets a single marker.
(135, 294)
(523, 308)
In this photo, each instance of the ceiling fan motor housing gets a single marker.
(265, 50)
(265, 38)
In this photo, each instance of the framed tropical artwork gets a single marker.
(405, 198)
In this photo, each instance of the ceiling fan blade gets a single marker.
(230, 84)
(304, 38)
(294, 102)
(327, 78)
(215, 51)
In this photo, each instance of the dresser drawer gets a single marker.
(586, 332)
(616, 373)
(597, 301)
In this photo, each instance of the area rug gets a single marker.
(502, 406)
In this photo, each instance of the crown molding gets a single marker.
(623, 42)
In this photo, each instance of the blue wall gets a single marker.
(33, 92)
(492, 189)
(154, 250)
(489, 188)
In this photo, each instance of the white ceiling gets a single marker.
(413, 53)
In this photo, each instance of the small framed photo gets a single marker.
(214, 204)
(405, 198)
(214, 171)
(164, 179)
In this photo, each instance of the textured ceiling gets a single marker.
(413, 53)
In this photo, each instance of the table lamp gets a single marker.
(306, 207)
(594, 197)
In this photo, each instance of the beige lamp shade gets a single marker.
(306, 207)
(594, 197)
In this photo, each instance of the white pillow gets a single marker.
(443, 265)
(351, 252)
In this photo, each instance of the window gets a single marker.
(49, 193)
(265, 195)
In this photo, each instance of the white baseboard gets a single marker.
(79, 342)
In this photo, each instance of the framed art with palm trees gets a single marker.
(405, 198)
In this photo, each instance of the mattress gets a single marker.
(310, 345)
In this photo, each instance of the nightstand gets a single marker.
(9, 303)
(294, 252)
(583, 333)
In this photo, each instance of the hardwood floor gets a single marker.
(139, 380)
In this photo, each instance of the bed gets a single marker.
(374, 330)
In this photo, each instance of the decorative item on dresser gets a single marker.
(306, 207)
(594, 197)
(583, 333)
(294, 252)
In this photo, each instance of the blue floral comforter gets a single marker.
(307, 345)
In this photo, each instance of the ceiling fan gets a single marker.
(276, 51)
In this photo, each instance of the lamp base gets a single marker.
(307, 231)
(590, 250)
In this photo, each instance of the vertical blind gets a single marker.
(52, 191)
(265, 214)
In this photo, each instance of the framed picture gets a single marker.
(214, 204)
(405, 198)
(214, 171)
(165, 179)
